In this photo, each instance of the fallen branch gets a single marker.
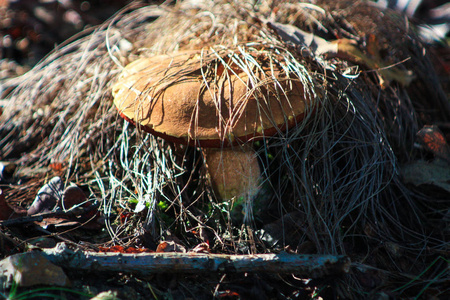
(20, 220)
(311, 266)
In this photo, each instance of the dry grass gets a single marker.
(338, 169)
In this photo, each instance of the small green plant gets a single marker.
(417, 281)
(163, 205)
(41, 293)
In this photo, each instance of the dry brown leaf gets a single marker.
(434, 141)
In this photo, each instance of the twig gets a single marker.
(40, 217)
(312, 266)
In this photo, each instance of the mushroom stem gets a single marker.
(233, 172)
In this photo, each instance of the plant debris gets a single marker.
(333, 184)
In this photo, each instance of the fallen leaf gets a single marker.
(137, 250)
(57, 166)
(170, 246)
(47, 197)
(227, 293)
(436, 172)
(293, 34)
(72, 196)
(5, 210)
(114, 249)
(56, 222)
(201, 248)
(7, 170)
(434, 141)
(125, 216)
(109, 295)
(345, 49)
(120, 249)
(62, 207)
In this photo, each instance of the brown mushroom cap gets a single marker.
(203, 100)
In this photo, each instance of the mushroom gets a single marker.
(214, 102)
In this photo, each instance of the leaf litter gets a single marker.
(338, 169)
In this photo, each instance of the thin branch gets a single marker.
(79, 211)
(312, 266)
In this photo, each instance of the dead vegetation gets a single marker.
(331, 185)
